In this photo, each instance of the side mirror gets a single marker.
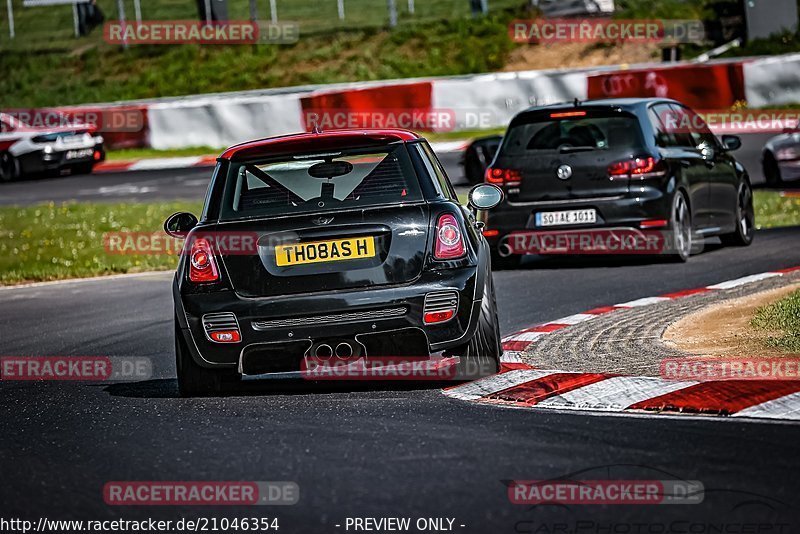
(731, 142)
(179, 224)
(485, 197)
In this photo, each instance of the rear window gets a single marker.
(312, 182)
(584, 133)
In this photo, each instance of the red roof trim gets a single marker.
(308, 140)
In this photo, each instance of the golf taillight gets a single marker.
(642, 167)
(508, 177)
(449, 241)
(202, 266)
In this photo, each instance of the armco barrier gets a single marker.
(717, 86)
(412, 96)
(772, 81)
(223, 122)
(492, 99)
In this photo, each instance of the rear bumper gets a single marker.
(624, 211)
(364, 304)
(41, 161)
(790, 170)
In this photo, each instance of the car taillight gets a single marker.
(642, 167)
(449, 241)
(509, 177)
(226, 336)
(202, 265)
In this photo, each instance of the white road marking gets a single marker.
(122, 189)
(614, 394)
(492, 384)
(89, 279)
(786, 407)
(744, 280)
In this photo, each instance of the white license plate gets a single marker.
(78, 154)
(558, 218)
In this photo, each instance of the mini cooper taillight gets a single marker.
(439, 307)
(202, 265)
(222, 327)
(449, 241)
(501, 177)
(642, 167)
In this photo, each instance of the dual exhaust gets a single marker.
(324, 351)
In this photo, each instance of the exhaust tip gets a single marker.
(323, 351)
(504, 250)
(344, 350)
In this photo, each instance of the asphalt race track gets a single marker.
(191, 183)
(391, 450)
(367, 451)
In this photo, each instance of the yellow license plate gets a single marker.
(324, 251)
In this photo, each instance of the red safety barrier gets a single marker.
(698, 86)
(378, 106)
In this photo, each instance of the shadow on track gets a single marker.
(167, 388)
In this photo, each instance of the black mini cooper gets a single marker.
(337, 245)
(636, 165)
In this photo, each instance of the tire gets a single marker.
(745, 219)
(9, 168)
(772, 172)
(481, 355)
(196, 381)
(681, 228)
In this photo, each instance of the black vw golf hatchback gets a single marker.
(639, 165)
(344, 245)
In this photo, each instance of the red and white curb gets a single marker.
(520, 385)
(156, 164)
(187, 162)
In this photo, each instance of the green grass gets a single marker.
(142, 153)
(57, 241)
(146, 153)
(50, 241)
(783, 316)
(90, 70)
(773, 210)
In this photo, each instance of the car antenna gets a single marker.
(576, 103)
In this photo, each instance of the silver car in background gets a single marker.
(781, 157)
